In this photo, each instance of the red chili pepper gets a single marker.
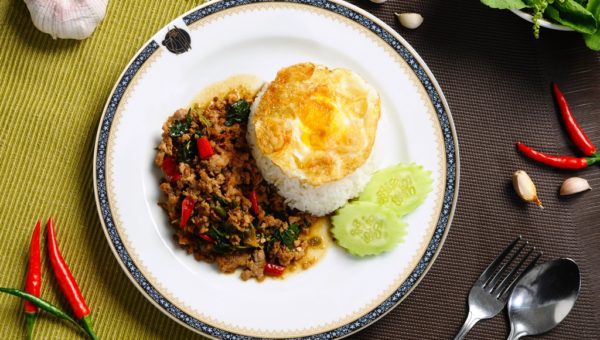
(33, 278)
(272, 269)
(67, 282)
(169, 167)
(562, 162)
(254, 201)
(207, 238)
(574, 130)
(204, 148)
(187, 207)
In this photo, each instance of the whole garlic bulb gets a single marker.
(67, 19)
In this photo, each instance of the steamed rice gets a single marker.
(317, 200)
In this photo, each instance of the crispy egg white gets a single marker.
(316, 124)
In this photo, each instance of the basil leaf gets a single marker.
(504, 4)
(188, 151)
(593, 40)
(573, 15)
(180, 127)
(238, 112)
(289, 235)
(221, 245)
(593, 6)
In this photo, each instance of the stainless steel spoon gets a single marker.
(543, 297)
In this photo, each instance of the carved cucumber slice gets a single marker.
(401, 188)
(365, 228)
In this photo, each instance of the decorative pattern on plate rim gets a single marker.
(450, 186)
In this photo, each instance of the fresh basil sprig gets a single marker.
(582, 16)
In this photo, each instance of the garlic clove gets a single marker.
(525, 188)
(67, 19)
(409, 20)
(574, 185)
(378, 1)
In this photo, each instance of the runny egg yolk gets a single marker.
(318, 122)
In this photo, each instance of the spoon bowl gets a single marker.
(543, 297)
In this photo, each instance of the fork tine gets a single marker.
(487, 273)
(494, 280)
(504, 293)
(508, 278)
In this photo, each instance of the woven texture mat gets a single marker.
(495, 77)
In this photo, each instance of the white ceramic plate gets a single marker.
(339, 295)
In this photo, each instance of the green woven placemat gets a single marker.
(52, 94)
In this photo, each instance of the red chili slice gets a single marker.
(205, 150)
(187, 207)
(207, 238)
(169, 167)
(272, 269)
(254, 200)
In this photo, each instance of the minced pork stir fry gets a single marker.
(216, 199)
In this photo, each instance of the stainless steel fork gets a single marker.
(490, 292)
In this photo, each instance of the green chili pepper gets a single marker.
(42, 304)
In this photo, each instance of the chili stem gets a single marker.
(30, 320)
(42, 304)
(87, 325)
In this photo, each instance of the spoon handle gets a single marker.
(469, 323)
(514, 335)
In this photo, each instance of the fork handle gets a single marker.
(469, 323)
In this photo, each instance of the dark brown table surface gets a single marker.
(496, 78)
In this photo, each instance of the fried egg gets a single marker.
(316, 124)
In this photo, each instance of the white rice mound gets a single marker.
(316, 200)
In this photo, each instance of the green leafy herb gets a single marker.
(581, 15)
(573, 15)
(593, 40)
(221, 244)
(289, 235)
(505, 4)
(238, 112)
(188, 151)
(179, 127)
